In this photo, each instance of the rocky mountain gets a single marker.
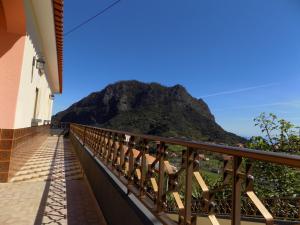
(149, 108)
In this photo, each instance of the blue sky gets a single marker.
(241, 57)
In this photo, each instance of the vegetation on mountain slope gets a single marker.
(149, 109)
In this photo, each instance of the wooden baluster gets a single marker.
(189, 169)
(226, 167)
(91, 139)
(88, 137)
(161, 148)
(116, 150)
(98, 142)
(95, 140)
(236, 191)
(122, 153)
(84, 134)
(113, 148)
(253, 197)
(107, 147)
(131, 145)
(249, 176)
(102, 146)
(107, 139)
(298, 204)
(144, 150)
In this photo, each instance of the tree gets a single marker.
(278, 135)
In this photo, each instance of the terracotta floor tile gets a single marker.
(49, 189)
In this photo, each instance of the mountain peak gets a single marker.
(149, 108)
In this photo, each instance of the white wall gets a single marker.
(27, 92)
(30, 81)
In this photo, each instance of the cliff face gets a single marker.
(149, 109)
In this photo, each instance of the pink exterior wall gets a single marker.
(12, 41)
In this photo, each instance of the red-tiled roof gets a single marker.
(58, 6)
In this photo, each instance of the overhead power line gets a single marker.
(91, 18)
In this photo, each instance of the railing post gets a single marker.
(84, 134)
(122, 153)
(116, 149)
(298, 208)
(107, 148)
(189, 164)
(161, 176)
(131, 145)
(98, 143)
(143, 167)
(103, 144)
(236, 192)
(249, 175)
(111, 143)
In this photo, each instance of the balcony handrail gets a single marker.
(152, 178)
(271, 157)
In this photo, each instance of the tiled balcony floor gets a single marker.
(49, 189)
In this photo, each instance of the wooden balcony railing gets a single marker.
(165, 182)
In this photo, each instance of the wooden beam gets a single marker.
(260, 206)
(213, 219)
(154, 184)
(178, 200)
(201, 182)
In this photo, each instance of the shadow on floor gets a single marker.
(66, 198)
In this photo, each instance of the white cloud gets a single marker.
(294, 104)
(239, 90)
